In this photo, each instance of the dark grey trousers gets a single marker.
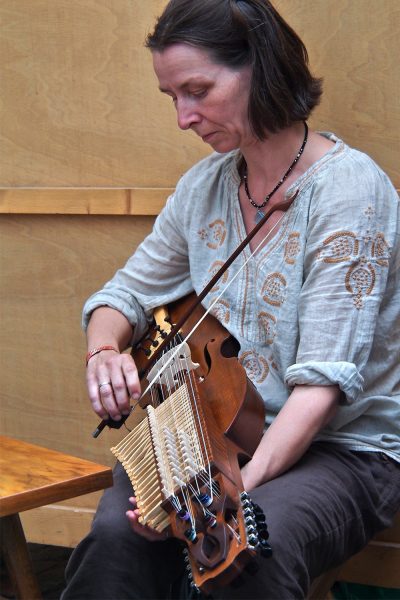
(319, 513)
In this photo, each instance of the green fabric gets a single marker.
(353, 591)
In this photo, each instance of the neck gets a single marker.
(267, 160)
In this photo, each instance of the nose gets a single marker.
(186, 114)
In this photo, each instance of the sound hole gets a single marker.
(230, 347)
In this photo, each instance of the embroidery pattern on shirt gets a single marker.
(292, 248)
(256, 366)
(344, 246)
(339, 247)
(360, 281)
(215, 235)
(369, 211)
(215, 267)
(380, 250)
(267, 323)
(221, 311)
(273, 290)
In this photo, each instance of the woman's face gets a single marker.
(209, 98)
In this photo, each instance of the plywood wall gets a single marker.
(49, 265)
(353, 45)
(89, 150)
(80, 105)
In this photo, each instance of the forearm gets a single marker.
(307, 411)
(108, 326)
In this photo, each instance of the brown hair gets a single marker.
(247, 32)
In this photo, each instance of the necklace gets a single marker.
(259, 214)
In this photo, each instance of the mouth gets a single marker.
(207, 137)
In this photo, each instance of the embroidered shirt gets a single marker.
(319, 304)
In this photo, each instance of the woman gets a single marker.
(314, 310)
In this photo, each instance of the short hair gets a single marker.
(247, 32)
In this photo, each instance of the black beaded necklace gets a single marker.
(259, 214)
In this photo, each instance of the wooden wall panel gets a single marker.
(49, 265)
(354, 45)
(58, 525)
(81, 105)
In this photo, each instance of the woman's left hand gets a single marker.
(144, 530)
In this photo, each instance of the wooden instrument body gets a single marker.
(230, 419)
(237, 407)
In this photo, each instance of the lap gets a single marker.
(318, 513)
(113, 563)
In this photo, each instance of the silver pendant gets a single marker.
(258, 216)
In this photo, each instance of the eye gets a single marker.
(200, 93)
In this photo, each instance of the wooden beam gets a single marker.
(83, 201)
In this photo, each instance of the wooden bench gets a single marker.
(32, 476)
(378, 564)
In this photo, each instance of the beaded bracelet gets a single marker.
(97, 350)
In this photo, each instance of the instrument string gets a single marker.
(189, 507)
(234, 532)
(200, 426)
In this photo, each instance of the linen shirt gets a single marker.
(319, 304)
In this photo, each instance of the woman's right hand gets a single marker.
(112, 382)
(112, 378)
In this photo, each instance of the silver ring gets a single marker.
(104, 383)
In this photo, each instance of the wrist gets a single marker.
(251, 476)
(99, 349)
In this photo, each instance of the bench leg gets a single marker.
(17, 559)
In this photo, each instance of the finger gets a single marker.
(131, 376)
(144, 530)
(108, 400)
(117, 400)
(121, 392)
(94, 394)
(105, 389)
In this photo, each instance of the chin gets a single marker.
(223, 147)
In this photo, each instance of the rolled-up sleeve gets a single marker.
(344, 374)
(156, 274)
(351, 231)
